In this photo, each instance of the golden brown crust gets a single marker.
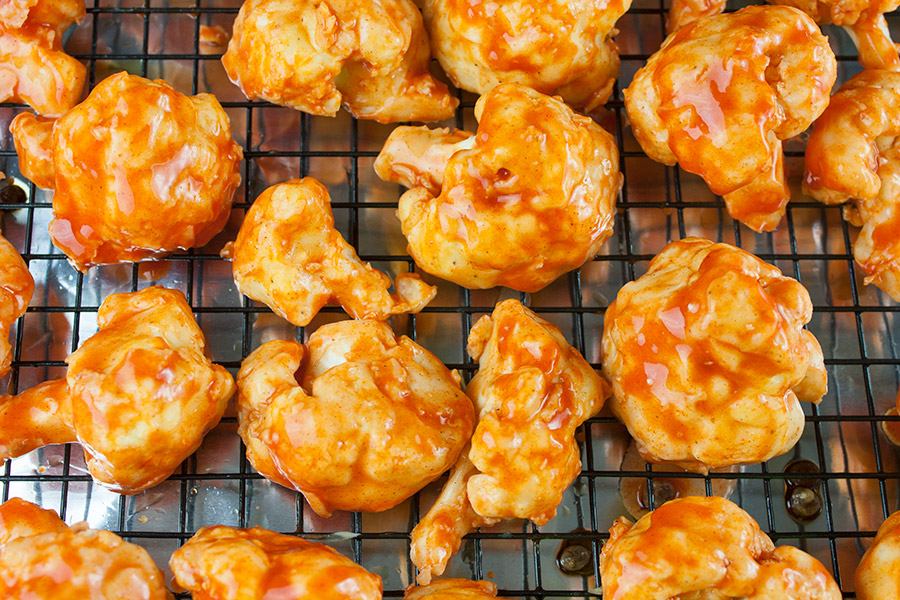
(528, 197)
(16, 288)
(853, 154)
(708, 357)
(532, 391)
(289, 255)
(370, 55)
(453, 589)
(557, 47)
(225, 563)
(357, 419)
(43, 559)
(139, 394)
(722, 93)
(876, 576)
(706, 548)
(139, 170)
(33, 66)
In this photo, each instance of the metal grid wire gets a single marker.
(856, 325)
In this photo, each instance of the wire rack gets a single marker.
(856, 325)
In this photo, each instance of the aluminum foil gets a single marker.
(176, 41)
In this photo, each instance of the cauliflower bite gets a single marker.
(722, 93)
(706, 548)
(355, 419)
(41, 558)
(532, 391)
(453, 589)
(853, 154)
(684, 12)
(139, 394)
(878, 574)
(708, 357)
(224, 563)
(16, 287)
(528, 197)
(559, 48)
(33, 66)
(313, 55)
(289, 256)
(139, 170)
(863, 20)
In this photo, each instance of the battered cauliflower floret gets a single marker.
(853, 154)
(16, 287)
(560, 47)
(528, 197)
(139, 394)
(33, 66)
(879, 570)
(453, 589)
(722, 93)
(43, 559)
(863, 20)
(708, 357)
(706, 548)
(289, 255)
(224, 563)
(355, 419)
(139, 170)
(532, 391)
(314, 55)
(684, 12)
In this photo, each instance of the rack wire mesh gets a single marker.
(856, 325)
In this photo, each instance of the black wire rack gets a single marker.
(857, 481)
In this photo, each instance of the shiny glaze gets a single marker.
(373, 419)
(694, 545)
(438, 535)
(139, 394)
(843, 153)
(371, 55)
(43, 559)
(853, 154)
(140, 170)
(708, 356)
(721, 94)
(20, 518)
(34, 418)
(684, 12)
(33, 138)
(289, 255)
(16, 288)
(417, 156)
(453, 589)
(556, 47)
(877, 247)
(864, 21)
(532, 391)
(530, 197)
(876, 576)
(33, 66)
(272, 566)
